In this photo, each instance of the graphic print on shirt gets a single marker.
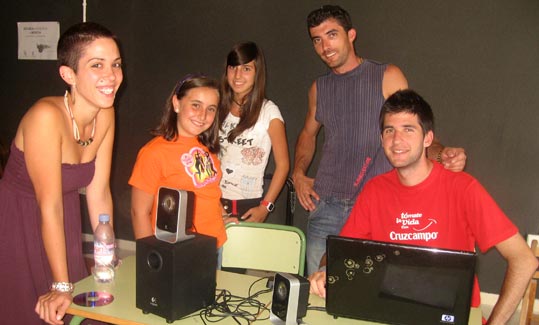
(252, 156)
(414, 227)
(199, 165)
(363, 172)
(248, 183)
(229, 126)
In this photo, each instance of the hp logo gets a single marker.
(448, 319)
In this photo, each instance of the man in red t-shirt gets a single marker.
(421, 203)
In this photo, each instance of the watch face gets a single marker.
(270, 206)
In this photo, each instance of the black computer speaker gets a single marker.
(174, 215)
(174, 280)
(290, 298)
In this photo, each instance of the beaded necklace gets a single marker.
(76, 133)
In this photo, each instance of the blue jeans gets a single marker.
(327, 218)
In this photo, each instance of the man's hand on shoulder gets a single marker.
(453, 159)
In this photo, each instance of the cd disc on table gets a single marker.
(93, 299)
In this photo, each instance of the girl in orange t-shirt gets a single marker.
(183, 155)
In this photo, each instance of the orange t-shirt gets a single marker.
(188, 165)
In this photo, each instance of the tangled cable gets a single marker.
(244, 310)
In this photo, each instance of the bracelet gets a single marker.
(439, 157)
(62, 287)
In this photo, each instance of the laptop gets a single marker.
(398, 284)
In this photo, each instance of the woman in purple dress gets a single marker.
(62, 144)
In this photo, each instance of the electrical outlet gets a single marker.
(531, 237)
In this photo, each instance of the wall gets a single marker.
(475, 62)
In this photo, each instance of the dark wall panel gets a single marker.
(475, 62)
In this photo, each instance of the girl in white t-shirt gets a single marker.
(251, 126)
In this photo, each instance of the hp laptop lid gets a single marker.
(398, 284)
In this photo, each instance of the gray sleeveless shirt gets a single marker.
(348, 106)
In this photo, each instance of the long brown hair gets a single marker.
(241, 54)
(168, 127)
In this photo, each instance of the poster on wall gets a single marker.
(38, 40)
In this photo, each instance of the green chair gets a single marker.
(76, 320)
(266, 247)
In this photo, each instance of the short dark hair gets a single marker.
(408, 101)
(74, 40)
(318, 16)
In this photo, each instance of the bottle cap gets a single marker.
(103, 217)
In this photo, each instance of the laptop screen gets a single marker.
(398, 284)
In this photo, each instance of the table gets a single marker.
(122, 310)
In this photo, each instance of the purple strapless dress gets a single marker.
(24, 269)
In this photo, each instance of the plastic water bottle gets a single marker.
(104, 247)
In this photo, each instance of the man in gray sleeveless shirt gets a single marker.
(347, 102)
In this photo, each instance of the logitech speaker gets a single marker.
(174, 280)
(174, 215)
(290, 298)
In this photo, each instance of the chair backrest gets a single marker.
(262, 246)
(527, 316)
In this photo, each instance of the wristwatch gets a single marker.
(268, 205)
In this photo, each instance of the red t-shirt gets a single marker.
(188, 165)
(447, 210)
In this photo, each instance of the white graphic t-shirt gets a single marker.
(244, 161)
